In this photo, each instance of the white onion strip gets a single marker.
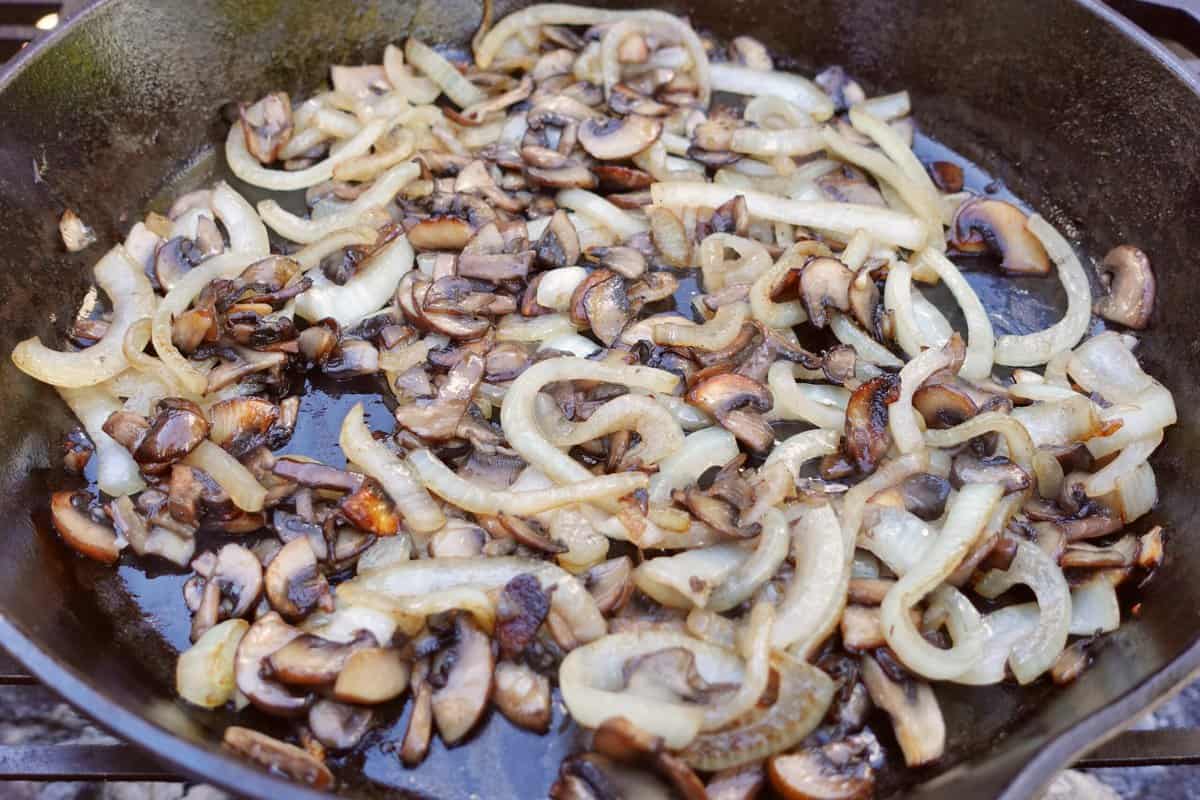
(117, 474)
(247, 168)
(661, 436)
(247, 234)
(310, 256)
(1038, 348)
(795, 401)
(368, 290)
(461, 91)
(815, 596)
(757, 652)
(700, 451)
(756, 570)
(244, 490)
(123, 280)
(883, 225)
(966, 516)
(307, 231)
(601, 212)
(981, 340)
(443, 482)
(795, 89)
(715, 334)
(848, 332)
(421, 513)
(1020, 446)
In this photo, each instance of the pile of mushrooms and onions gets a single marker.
(722, 525)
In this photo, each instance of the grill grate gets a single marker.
(22, 21)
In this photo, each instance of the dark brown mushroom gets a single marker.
(267, 125)
(839, 363)
(867, 436)
(192, 328)
(559, 243)
(925, 495)
(77, 451)
(372, 675)
(825, 283)
(601, 302)
(617, 178)
(523, 696)
(530, 534)
(1126, 273)
(812, 774)
(520, 612)
(459, 702)
(266, 636)
(716, 512)
(84, 534)
(295, 586)
(943, 405)
(309, 660)
(947, 176)
(610, 583)
(127, 428)
(316, 476)
(970, 468)
(736, 783)
(726, 397)
(277, 756)
(984, 224)
(339, 726)
(176, 428)
(240, 424)
(620, 138)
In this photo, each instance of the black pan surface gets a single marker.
(1068, 105)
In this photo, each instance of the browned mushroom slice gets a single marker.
(238, 575)
(267, 125)
(570, 176)
(461, 700)
(317, 342)
(174, 259)
(77, 451)
(601, 302)
(611, 583)
(725, 397)
(317, 476)
(495, 267)
(623, 99)
(176, 428)
(736, 783)
(925, 495)
(295, 586)
(523, 696)
(372, 675)
(869, 591)
(914, 710)
(944, 405)
(277, 756)
(864, 298)
(1131, 287)
(529, 534)
(542, 157)
(309, 660)
(616, 178)
(716, 512)
(520, 611)
(867, 434)
(947, 176)
(80, 531)
(420, 722)
(339, 726)
(824, 284)
(266, 636)
(970, 468)
(351, 359)
(839, 364)
(616, 139)
(192, 328)
(370, 509)
(559, 243)
(981, 225)
(240, 424)
(438, 418)
(819, 773)
(591, 776)
(625, 261)
(440, 233)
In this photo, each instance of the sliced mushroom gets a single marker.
(277, 756)
(947, 176)
(625, 261)
(77, 451)
(864, 298)
(1131, 287)
(440, 233)
(611, 583)
(460, 701)
(867, 434)
(240, 424)
(495, 267)
(726, 397)
(438, 418)
(266, 636)
(174, 259)
(372, 675)
(716, 512)
(523, 696)
(267, 126)
(995, 225)
(825, 283)
(238, 575)
(295, 586)
(309, 660)
(316, 476)
(601, 302)
(970, 468)
(916, 716)
(420, 722)
(80, 531)
(559, 244)
(457, 539)
(944, 405)
(1071, 662)
(369, 508)
(520, 612)
(861, 628)
(812, 774)
(529, 534)
(925, 495)
(176, 428)
(351, 359)
(616, 139)
(339, 726)
(569, 176)
(617, 178)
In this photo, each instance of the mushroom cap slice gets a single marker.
(825, 283)
(277, 756)
(460, 702)
(80, 531)
(1130, 299)
(239, 575)
(294, 584)
(266, 636)
(372, 675)
(615, 139)
(981, 225)
(339, 726)
(309, 660)
(523, 696)
(867, 433)
(809, 774)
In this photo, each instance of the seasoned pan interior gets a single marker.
(1062, 108)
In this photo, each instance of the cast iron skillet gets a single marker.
(1076, 110)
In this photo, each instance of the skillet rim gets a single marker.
(212, 765)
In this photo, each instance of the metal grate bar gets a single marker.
(1158, 748)
(74, 762)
